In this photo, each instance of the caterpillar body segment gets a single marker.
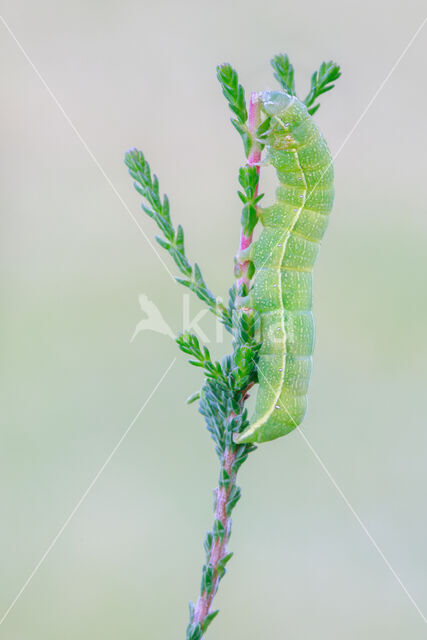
(284, 257)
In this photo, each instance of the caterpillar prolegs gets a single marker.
(283, 257)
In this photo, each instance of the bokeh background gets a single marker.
(73, 264)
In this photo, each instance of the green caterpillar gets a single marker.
(283, 257)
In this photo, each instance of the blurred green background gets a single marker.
(73, 263)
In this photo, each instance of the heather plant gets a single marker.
(269, 313)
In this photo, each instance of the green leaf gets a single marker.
(179, 239)
(148, 210)
(207, 578)
(244, 134)
(198, 275)
(263, 128)
(183, 281)
(181, 262)
(208, 543)
(222, 564)
(312, 110)
(224, 478)
(206, 622)
(249, 219)
(233, 499)
(163, 243)
(193, 398)
(166, 208)
(194, 632)
(191, 608)
(219, 530)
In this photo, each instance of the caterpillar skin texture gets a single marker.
(284, 256)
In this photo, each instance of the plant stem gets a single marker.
(219, 547)
(217, 553)
(254, 158)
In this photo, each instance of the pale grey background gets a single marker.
(73, 263)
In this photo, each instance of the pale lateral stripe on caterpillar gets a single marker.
(284, 257)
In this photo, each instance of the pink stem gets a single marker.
(253, 159)
(219, 547)
(218, 550)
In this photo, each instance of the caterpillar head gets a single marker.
(275, 102)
